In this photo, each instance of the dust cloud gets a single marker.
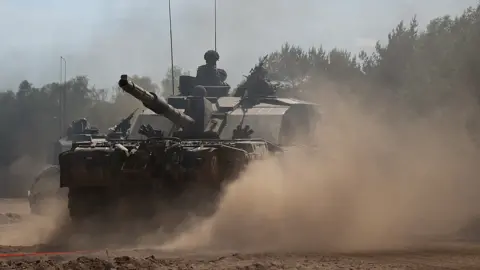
(35, 230)
(19, 176)
(380, 179)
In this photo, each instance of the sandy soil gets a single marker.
(436, 255)
(458, 257)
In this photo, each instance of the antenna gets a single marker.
(171, 46)
(64, 93)
(62, 99)
(215, 16)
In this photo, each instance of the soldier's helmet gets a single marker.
(211, 55)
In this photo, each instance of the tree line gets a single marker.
(422, 69)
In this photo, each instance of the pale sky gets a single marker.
(106, 38)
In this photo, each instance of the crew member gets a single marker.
(208, 74)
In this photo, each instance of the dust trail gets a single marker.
(32, 229)
(377, 182)
(35, 230)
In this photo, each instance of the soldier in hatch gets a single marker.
(208, 74)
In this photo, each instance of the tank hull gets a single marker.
(161, 181)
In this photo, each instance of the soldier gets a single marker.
(207, 74)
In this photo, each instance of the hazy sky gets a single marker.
(106, 38)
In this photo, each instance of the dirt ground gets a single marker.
(435, 255)
(453, 257)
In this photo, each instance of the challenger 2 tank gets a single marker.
(182, 152)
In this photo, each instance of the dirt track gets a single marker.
(461, 257)
(454, 255)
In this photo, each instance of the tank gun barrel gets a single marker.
(157, 104)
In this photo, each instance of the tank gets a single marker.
(45, 186)
(182, 151)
